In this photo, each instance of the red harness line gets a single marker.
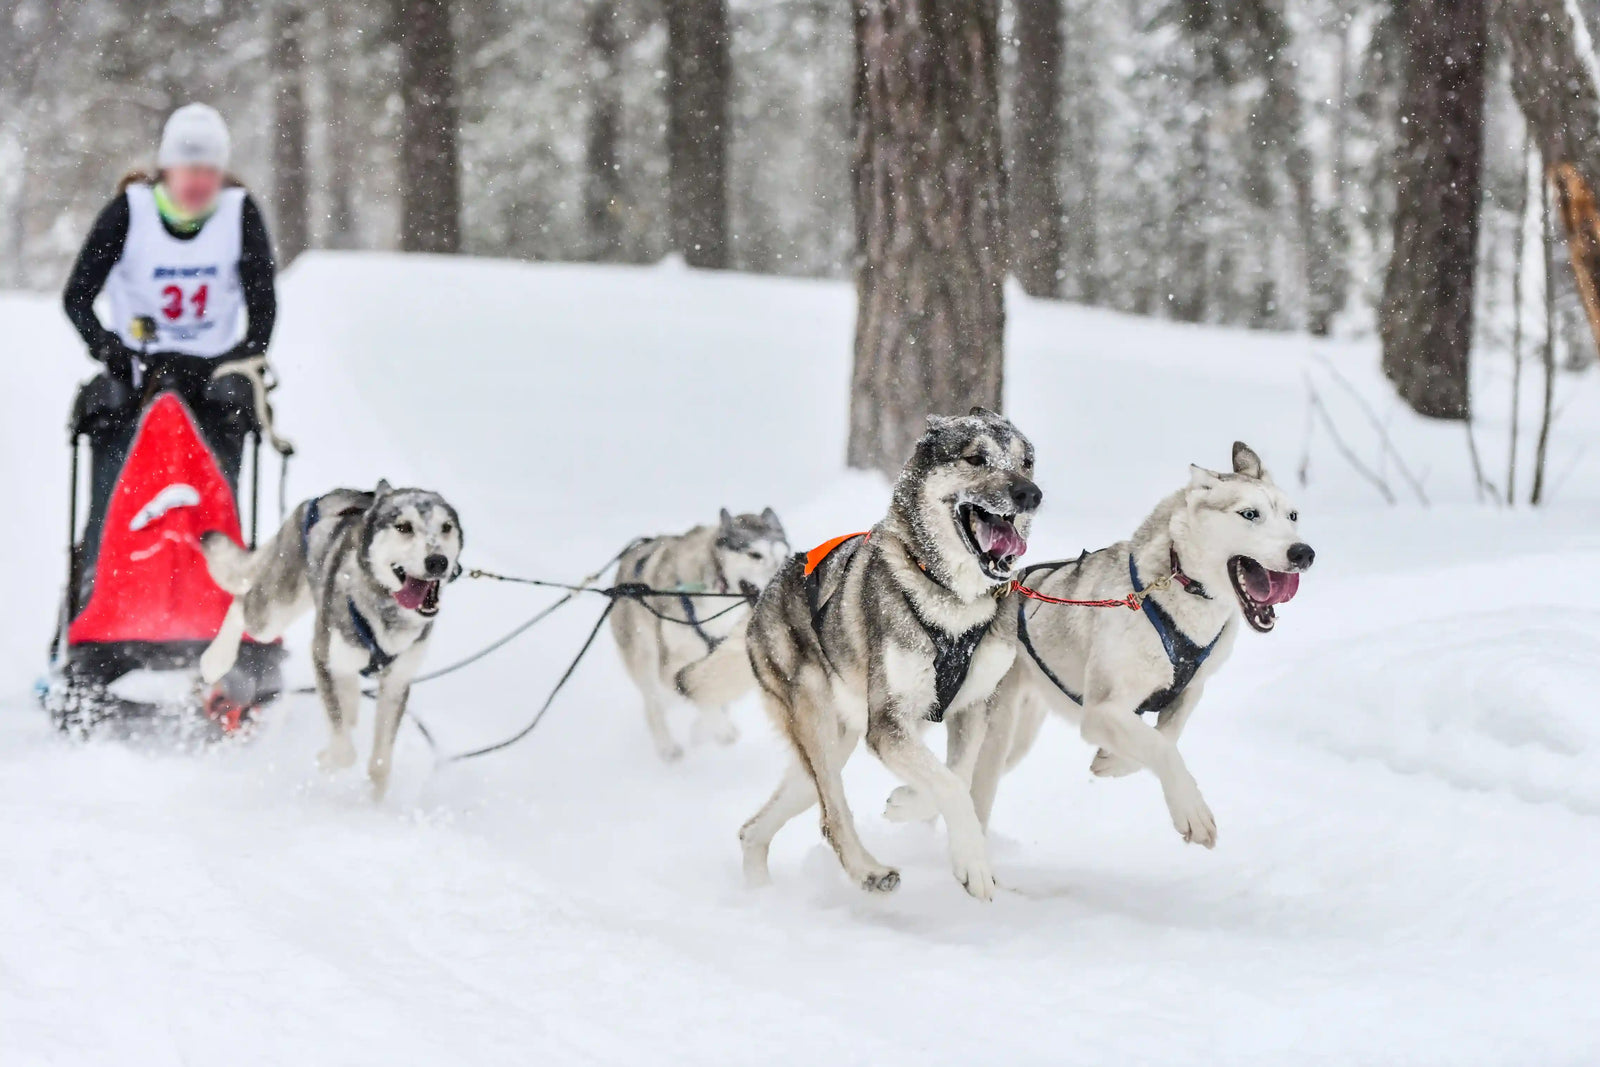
(1129, 601)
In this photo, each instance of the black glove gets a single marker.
(119, 360)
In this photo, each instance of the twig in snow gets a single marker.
(1349, 453)
(1389, 448)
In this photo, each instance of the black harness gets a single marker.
(691, 617)
(952, 656)
(377, 659)
(1183, 652)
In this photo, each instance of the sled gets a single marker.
(139, 605)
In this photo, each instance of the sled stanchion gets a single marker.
(255, 486)
(72, 529)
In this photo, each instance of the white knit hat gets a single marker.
(195, 136)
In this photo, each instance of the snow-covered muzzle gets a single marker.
(1259, 589)
(992, 538)
(420, 595)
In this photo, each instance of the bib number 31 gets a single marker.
(174, 298)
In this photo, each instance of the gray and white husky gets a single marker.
(371, 565)
(882, 633)
(1224, 548)
(661, 636)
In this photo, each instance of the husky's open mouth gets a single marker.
(420, 595)
(992, 538)
(1258, 589)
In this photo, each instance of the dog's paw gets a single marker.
(669, 750)
(1192, 818)
(907, 805)
(715, 726)
(378, 776)
(881, 880)
(1109, 765)
(340, 753)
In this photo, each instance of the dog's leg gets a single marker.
(715, 724)
(990, 763)
(1170, 723)
(1112, 724)
(824, 744)
(394, 689)
(794, 795)
(341, 695)
(908, 804)
(655, 717)
(223, 652)
(905, 755)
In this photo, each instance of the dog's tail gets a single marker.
(231, 567)
(721, 677)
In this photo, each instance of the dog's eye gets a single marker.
(1294, 516)
(1249, 514)
(403, 528)
(448, 527)
(754, 555)
(976, 459)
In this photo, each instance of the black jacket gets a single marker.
(103, 249)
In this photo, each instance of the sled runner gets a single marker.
(139, 605)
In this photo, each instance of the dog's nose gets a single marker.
(1301, 556)
(1026, 495)
(436, 565)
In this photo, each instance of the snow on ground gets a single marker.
(1406, 774)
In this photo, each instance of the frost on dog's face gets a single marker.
(1244, 525)
(970, 492)
(413, 547)
(750, 548)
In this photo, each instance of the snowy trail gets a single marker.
(1405, 773)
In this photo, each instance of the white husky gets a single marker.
(1225, 547)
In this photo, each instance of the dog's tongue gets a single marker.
(411, 595)
(1279, 587)
(1001, 540)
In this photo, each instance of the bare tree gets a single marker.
(339, 164)
(1036, 130)
(603, 186)
(1426, 316)
(430, 162)
(1554, 82)
(290, 177)
(930, 211)
(1547, 352)
(698, 78)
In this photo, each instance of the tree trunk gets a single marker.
(1426, 316)
(430, 164)
(1036, 130)
(698, 76)
(290, 178)
(930, 208)
(1554, 83)
(339, 164)
(603, 187)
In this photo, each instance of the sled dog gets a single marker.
(1226, 547)
(660, 636)
(371, 565)
(880, 634)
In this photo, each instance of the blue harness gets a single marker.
(1183, 652)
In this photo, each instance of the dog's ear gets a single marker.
(383, 487)
(983, 412)
(1246, 462)
(1200, 478)
(769, 519)
(725, 521)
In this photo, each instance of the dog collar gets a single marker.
(1190, 586)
